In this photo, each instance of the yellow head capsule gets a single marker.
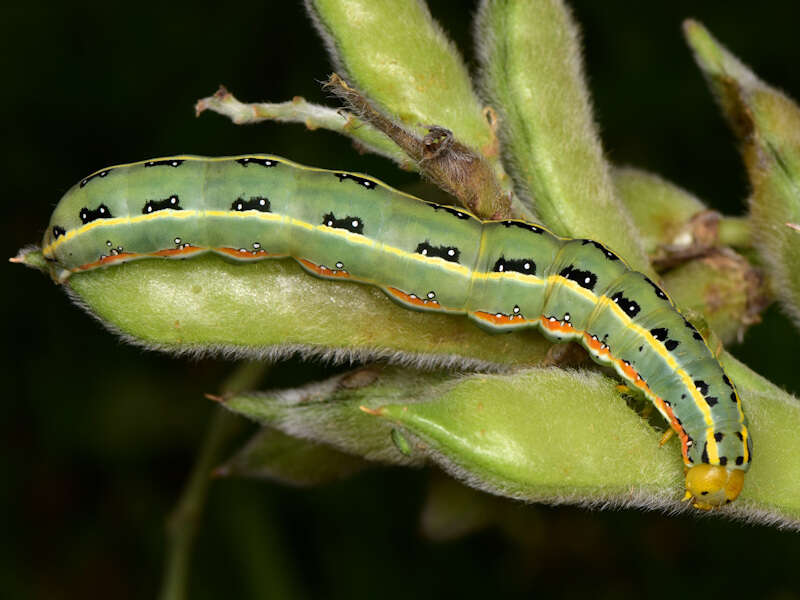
(710, 486)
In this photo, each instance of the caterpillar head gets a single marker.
(710, 486)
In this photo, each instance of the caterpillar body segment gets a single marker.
(504, 275)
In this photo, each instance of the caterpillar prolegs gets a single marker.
(504, 275)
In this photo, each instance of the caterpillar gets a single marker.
(505, 274)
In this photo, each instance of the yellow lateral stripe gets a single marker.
(349, 236)
(696, 395)
(651, 341)
(521, 277)
(244, 215)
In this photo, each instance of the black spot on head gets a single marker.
(585, 279)
(448, 209)
(701, 386)
(660, 333)
(448, 253)
(58, 231)
(351, 224)
(259, 203)
(167, 162)
(712, 400)
(171, 203)
(723, 460)
(606, 252)
(740, 460)
(98, 174)
(101, 212)
(695, 333)
(629, 307)
(526, 266)
(659, 292)
(249, 160)
(523, 225)
(366, 183)
(671, 344)
(718, 436)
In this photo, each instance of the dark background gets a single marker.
(97, 437)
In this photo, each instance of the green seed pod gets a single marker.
(722, 286)
(275, 456)
(768, 126)
(547, 124)
(413, 71)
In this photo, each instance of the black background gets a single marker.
(97, 436)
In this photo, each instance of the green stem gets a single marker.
(734, 231)
(183, 523)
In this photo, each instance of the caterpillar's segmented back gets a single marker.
(505, 275)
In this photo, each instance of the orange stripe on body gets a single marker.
(183, 250)
(323, 271)
(501, 319)
(247, 254)
(635, 379)
(107, 260)
(414, 300)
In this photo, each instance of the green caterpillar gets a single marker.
(505, 274)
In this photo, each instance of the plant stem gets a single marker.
(734, 231)
(182, 524)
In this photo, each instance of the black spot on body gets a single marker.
(367, 183)
(629, 307)
(701, 386)
(449, 253)
(704, 457)
(523, 225)
(259, 203)
(740, 460)
(733, 397)
(718, 436)
(98, 174)
(695, 333)
(171, 203)
(58, 231)
(585, 279)
(249, 160)
(87, 215)
(712, 400)
(606, 252)
(660, 333)
(739, 435)
(449, 209)
(351, 224)
(723, 460)
(526, 266)
(727, 381)
(659, 292)
(167, 162)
